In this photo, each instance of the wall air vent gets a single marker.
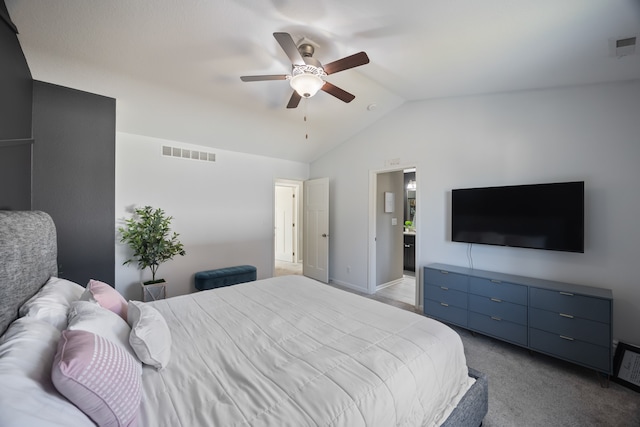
(185, 153)
(623, 46)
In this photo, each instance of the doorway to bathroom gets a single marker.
(393, 240)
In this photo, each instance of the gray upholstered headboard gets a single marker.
(28, 257)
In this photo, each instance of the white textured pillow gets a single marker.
(51, 303)
(27, 395)
(91, 317)
(150, 337)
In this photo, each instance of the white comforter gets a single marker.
(290, 351)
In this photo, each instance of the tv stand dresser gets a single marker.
(570, 322)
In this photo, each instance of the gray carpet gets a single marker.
(531, 389)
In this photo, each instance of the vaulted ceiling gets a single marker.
(174, 66)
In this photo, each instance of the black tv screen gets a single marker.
(539, 216)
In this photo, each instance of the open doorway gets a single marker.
(393, 237)
(287, 227)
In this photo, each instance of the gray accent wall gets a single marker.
(15, 120)
(15, 175)
(15, 84)
(74, 177)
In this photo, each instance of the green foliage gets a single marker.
(408, 224)
(147, 234)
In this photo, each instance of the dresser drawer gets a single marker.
(446, 279)
(446, 295)
(500, 309)
(582, 329)
(496, 289)
(581, 352)
(502, 329)
(575, 305)
(445, 313)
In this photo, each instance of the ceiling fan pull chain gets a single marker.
(306, 136)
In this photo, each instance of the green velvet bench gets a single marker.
(227, 276)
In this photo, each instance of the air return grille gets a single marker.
(185, 153)
(623, 46)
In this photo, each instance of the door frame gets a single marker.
(373, 202)
(297, 218)
(286, 233)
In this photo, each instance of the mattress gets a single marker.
(289, 351)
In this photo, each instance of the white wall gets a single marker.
(589, 133)
(389, 237)
(223, 211)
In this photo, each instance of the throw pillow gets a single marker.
(99, 377)
(106, 296)
(150, 337)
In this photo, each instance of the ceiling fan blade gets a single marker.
(342, 95)
(265, 77)
(288, 45)
(294, 100)
(347, 62)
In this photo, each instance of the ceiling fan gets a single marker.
(307, 73)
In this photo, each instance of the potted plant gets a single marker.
(147, 233)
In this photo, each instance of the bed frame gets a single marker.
(28, 257)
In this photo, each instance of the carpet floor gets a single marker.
(531, 389)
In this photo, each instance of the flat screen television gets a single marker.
(538, 216)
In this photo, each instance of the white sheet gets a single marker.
(290, 351)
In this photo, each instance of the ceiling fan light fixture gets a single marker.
(306, 84)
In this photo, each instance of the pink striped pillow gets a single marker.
(99, 377)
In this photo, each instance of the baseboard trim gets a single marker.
(349, 286)
(391, 283)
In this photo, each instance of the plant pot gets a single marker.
(154, 290)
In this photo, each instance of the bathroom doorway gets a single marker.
(393, 237)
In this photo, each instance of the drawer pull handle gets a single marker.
(444, 272)
(444, 288)
(495, 281)
(496, 300)
(444, 304)
(566, 293)
(496, 318)
(568, 316)
(566, 338)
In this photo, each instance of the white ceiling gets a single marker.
(174, 66)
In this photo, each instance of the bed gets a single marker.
(284, 351)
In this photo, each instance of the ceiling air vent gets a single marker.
(184, 153)
(623, 46)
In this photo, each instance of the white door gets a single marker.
(284, 223)
(316, 229)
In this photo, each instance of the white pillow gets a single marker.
(51, 303)
(150, 336)
(91, 317)
(27, 395)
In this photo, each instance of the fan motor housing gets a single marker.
(306, 50)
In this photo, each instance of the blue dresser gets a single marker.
(567, 321)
